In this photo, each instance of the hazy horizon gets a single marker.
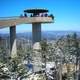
(42, 31)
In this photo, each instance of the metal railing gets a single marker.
(12, 17)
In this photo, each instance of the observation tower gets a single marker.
(36, 18)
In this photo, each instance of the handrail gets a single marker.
(12, 17)
(16, 17)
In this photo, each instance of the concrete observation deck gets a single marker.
(12, 21)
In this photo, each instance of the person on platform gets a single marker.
(25, 15)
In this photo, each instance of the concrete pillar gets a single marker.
(36, 32)
(13, 49)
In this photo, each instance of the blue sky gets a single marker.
(66, 12)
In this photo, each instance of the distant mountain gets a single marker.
(57, 34)
(45, 34)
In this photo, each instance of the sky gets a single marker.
(66, 13)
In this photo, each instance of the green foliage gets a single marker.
(69, 45)
(16, 66)
(3, 55)
(44, 45)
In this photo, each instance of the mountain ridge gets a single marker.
(45, 34)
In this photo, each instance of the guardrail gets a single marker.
(7, 18)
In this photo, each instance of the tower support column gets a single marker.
(13, 48)
(36, 32)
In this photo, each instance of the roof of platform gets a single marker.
(36, 10)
